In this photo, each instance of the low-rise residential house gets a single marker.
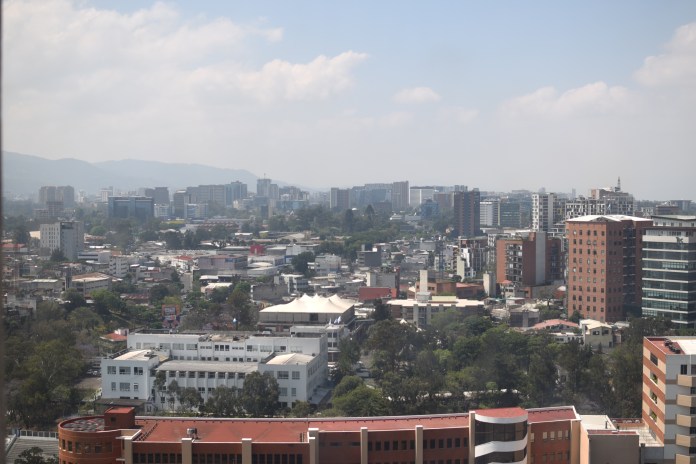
(597, 335)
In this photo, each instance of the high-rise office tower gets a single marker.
(669, 270)
(339, 199)
(399, 195)
(467, 213)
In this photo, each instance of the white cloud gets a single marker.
(593, 98)
(102, 84)
(677, 66)
(459, 115)
(417, 95)
(317, 79)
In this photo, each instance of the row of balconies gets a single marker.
(686, 420)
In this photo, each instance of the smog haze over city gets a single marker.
(498, 95)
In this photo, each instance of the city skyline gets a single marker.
(514, 97)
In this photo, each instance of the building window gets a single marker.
(283, 375)
(682, 369)
(124, 386)
(295, 375)
(138, 371)
(124, 370)
(653, 359)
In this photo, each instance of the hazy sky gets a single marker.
(490, 94)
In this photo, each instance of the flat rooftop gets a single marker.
(686, 345)
(136, 355)
(209, 366)
(290, 358)
(163, 429)
(166, 429)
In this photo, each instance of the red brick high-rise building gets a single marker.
(604, 271)
(528, 261)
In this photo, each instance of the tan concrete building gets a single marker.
(669, 395)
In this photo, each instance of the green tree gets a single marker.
(190, 399)
(21, 235)
(349, 354)
(241, 305)
(73, 299)
(301, 409)
(35, 455)
(173, 240)
(598, 386)
(57, 256)
(107, 302)
(362, 402)
(347, 385)
(173, 391)
(259, 396)
(348, 221)
(626, 370)
(301, 262)
(541, 378)
(158, 293)
(223, 402)
(159, 385)
(381, 311)
(84, 318)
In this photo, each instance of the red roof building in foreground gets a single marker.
(483, 436)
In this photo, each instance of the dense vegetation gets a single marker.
(460, 364)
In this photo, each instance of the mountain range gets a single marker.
(25, 174)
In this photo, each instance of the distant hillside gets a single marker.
(25, 174)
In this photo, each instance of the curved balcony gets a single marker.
(500, 447)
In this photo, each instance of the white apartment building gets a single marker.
(326, 264)
(130, 375)
(66, 236)
(490, 212)
(119, 265)
(543, 211)
(298, 375)
(206, 361)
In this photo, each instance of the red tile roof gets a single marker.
(283, 430)
(501, 412)
(373, 293)
(552, 414)
(114, 337)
